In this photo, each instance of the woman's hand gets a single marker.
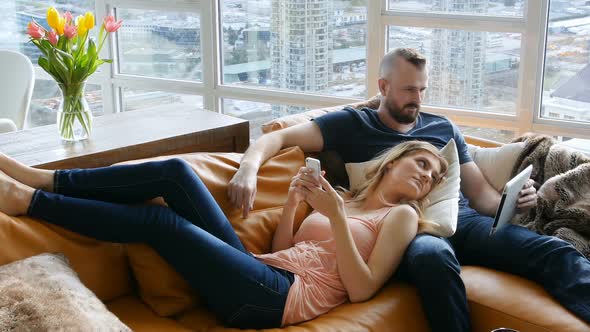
(325, 200)
(300, 186)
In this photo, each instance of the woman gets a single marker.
(342, 250)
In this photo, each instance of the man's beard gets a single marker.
(398, 114)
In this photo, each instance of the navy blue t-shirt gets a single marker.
(359, 135)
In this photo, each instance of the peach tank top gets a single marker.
(317, 287)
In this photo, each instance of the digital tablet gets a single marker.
(507, 208)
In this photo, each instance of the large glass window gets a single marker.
(314, 46)
(160, 44)
(566, 81)
(467, 69)
(137, 99)
(258, 113)
(487, 7)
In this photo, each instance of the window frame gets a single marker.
(532, 26)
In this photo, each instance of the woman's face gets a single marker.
(414, 175)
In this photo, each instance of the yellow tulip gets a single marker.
(81, 24)
(53, 17)
(89, 20)
(61, 25)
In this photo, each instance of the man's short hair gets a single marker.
(408, 54)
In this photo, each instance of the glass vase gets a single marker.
(74, 118)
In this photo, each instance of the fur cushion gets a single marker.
(42, 293)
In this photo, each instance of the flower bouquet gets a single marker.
(70, 56)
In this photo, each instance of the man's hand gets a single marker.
(242, 190)
(527, 198)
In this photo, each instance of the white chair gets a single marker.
(16, 89)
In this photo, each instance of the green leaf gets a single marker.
(107, 60)
(60, 68)
(79, 74)
(65, 54)
(44, 63)
(91, 49)
(61, 42)
(39, 46)
(84, 60)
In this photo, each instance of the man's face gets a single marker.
(403, 91)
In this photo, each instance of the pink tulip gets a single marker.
(110, 25)
(70, 31)
(52, 37)
(69, 17)
(35, 31)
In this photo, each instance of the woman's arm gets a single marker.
(362, 280)
(299, 187)
(283, 237)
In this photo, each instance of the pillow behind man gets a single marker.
(443, 200)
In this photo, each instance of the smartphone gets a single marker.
(315, 166)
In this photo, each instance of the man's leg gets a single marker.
(431, 266)
(555, 264)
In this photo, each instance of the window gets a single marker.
(467, 69)
(489, 7)
(258, 113)
(136, 99)
(514, 65)
(566, 78)
(332, 49)
(163, 44)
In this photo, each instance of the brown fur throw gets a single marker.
(562, 178)
(42, 293)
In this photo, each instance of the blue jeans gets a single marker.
(192, 234)
(432, 265)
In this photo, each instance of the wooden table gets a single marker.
(130, 135)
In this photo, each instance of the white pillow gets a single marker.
(444, 198)
(496, 163)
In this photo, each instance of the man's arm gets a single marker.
(484, 198)
(242, 187)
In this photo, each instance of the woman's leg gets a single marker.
(172, 179)
(240, 289)
(32, 177)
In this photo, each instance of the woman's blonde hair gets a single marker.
(378, 168)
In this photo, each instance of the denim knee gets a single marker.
(431, 256)
(176, 167)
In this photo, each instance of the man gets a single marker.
(432, 263)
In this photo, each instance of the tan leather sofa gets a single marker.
(147, 295)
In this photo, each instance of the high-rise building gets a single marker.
(301, 45)
(457, 59)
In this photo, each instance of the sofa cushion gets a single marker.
(101, 266)
(43, 293)
(444, 198)
(496, 163)
(140, 318)
(162, 288)
(159, 285)
(395, 308)
(499, 299)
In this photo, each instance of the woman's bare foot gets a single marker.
(15, 197)
(32, 177)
